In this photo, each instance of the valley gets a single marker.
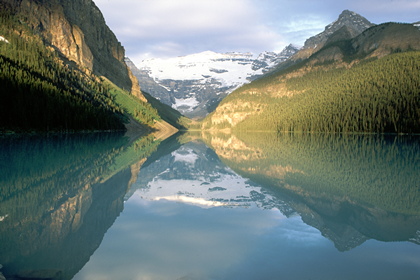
(195, 84)
(355, 76)
(299, 163)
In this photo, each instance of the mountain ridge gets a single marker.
(297, 92)
(77, 29)
(198, 92)
(196, 83)
(354, 22)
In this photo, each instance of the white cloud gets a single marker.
(167, 28)
(151, 19)
(148, 240)
(182, 27)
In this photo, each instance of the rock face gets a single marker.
(354, 24)
(77, 29)
(195, 84)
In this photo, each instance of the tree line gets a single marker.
(41, 92)
(380, 96)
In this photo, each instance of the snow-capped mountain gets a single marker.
(196, 83)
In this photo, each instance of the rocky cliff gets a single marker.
(77, 29)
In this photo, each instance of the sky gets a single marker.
(170, 28)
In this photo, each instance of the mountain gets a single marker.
(72, 190)
(326, 180)
(353, 24)
(195, 84)
(77, 29)
(353, 83)
(63, 69)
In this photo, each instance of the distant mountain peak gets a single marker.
(354, 25)
(354, 22)
(196, 83)
(348, 13)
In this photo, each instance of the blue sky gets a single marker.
(168, 28)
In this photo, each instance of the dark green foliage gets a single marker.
(51, 169)
(382, 96)
(57, 190)
(39, 92)
(30, 164)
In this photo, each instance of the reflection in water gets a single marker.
(193, 174)
(59, 195)
(248, 207)
(352, 188)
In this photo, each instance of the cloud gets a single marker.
(185, 18)
(167, 28)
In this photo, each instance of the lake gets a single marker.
(210, 206)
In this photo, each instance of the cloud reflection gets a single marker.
(194, 241)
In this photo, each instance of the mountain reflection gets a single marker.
(352, 188)
(60, 195)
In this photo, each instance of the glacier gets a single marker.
(196, 83)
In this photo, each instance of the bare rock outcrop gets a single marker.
(78, 31)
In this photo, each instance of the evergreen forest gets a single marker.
(42, 91)
(374, 96)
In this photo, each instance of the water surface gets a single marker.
(214, 207)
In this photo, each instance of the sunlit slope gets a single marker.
(367, 84)
(41, 90)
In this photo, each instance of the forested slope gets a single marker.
(345, 87)
(43, 91)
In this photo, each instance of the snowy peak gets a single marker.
(196, 83)
(268, 60)
(195, 66)
(351, 20)
(349, 24)
(193, 174)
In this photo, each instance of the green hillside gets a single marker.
(167, 113)
(42, 91)
(337, 90)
